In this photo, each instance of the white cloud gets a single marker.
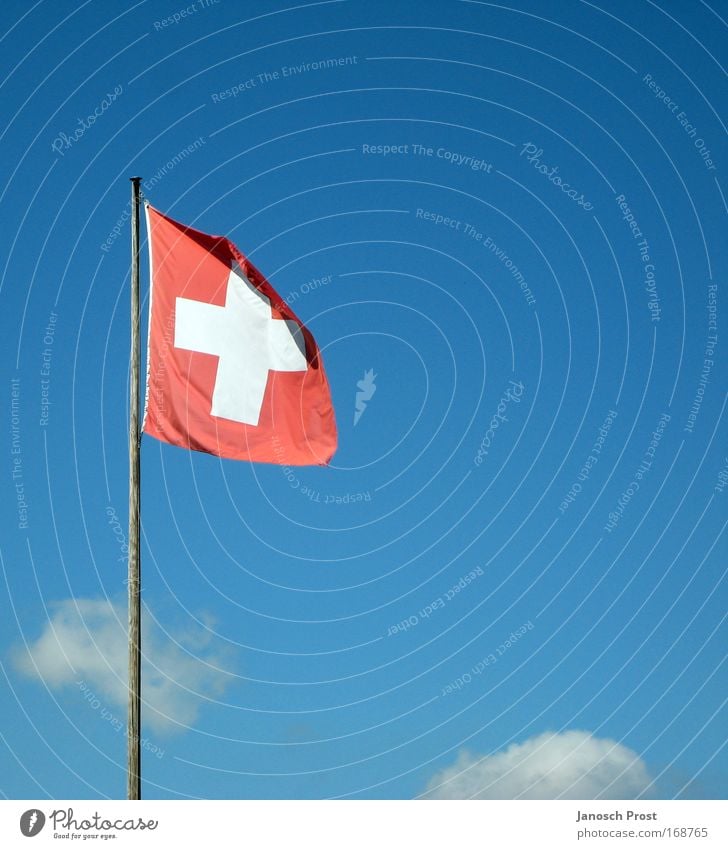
(567, 765)
(84, 644)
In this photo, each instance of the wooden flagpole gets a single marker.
(134, 764)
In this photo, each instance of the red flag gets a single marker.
(231, 370)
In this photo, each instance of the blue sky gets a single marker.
(515, 217)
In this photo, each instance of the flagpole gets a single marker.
(134, 765)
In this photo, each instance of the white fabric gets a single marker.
(248, 341)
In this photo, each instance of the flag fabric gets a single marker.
(231, 370)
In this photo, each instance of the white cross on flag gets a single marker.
(232, 371)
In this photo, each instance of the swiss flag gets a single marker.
(231, 370)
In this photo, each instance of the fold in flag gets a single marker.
(231, 370)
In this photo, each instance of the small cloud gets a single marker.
(567, 765)
(85, 643)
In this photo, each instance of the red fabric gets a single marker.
(296, 424)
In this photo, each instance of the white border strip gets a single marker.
(149, 320)
(366, 824)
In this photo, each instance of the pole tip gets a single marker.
(135, 179)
